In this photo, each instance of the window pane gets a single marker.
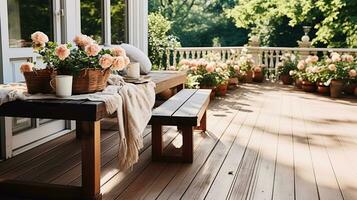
(91, 19)
(26, 17)
(118, 21)
(21, 124)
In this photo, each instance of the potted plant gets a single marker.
(233, 70)
(203, 72)
(258, 74)
(222, 76)
(310, 78)
(287, 64)
(38, 79)
(322, 78)
(246, 64)
(351, 83)
(338, 67)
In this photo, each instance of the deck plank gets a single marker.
(264, 142)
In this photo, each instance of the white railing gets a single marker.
(267, 56)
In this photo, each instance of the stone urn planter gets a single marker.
(298, 83)
(308, 86)
(323, 89)
(258, 76)
(221, 89)
(286, 79)
(336, 88)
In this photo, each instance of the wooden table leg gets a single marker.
(78, 129)
(90, 137)
(187, 147)
(156, 141)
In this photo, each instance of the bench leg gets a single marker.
(156, 141)
(187, 147)
(203, 123)
(90, 138)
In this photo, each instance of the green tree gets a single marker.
(198, 22)
(160, 39)
(334, 22)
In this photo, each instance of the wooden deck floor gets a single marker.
(263, 142)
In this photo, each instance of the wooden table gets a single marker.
(87, 115)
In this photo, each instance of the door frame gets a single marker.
(10, 147)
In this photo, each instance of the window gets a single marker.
(93, 21)
(26, 17)
(118, 21)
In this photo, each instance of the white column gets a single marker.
(138, 24)
(72, 19)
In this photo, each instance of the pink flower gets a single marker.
(26, 67)
(118, 63)
(210, 67)
(332, 67)
(291, 73)
(118, 51)
(236, 68)
(127, 60)
(194, 69)
(301, 65)
(92, 49)
(312, 59)
(62, 52)
(352, 73)
(219, 70)
(105, 61)
(335, 57)
(172, 68)
(184, 62)
(257, 69)
(347, 58)
(39, 38)
(328, 60)
(83, 40)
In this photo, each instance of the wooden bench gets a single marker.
(186, 110)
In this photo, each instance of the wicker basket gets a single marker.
(90, 80)
(38, 81)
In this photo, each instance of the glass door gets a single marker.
(20, 18)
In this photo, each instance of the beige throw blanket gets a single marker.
(133, 104)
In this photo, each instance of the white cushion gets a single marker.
(136, 55)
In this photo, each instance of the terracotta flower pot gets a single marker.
(355, 92)
(336, 88)
(298, 83)
(248, 77)
(221, 90)
(286, 79)
(258, 77)
(323, 89)
(213, 90)
(350, 88)
(308, 86)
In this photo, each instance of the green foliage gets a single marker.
(198, 22)
(334, 22)
(159, 39)
(288, 63)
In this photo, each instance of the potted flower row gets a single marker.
(89, 64)
(206, 74)
(330, 75)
